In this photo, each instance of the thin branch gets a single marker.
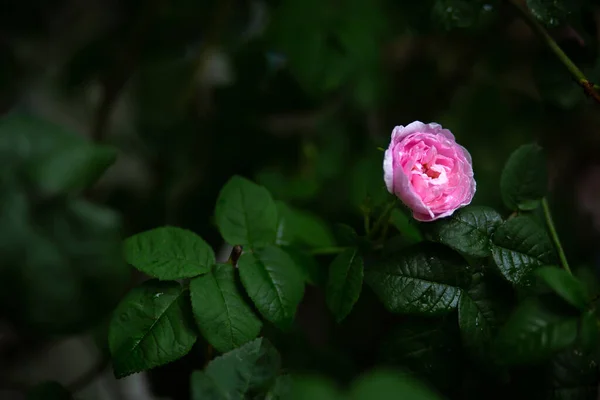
(554, 235)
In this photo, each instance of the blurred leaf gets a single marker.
(553, 13)
(246, 214)
(273, 283)
(231, 376)
(152, 326)
(72, 168)
(281, 389)
(519, 247)
(462, 13)
(288, 187)
(565, 285)
(49, 391)
(383, 385)
(302, 227)
(345, 283)
(222, 315)
(534, 332)
(310, 269)
(425, 279)
(468, 230)
(314, 388)
(365, 186)
(169, 253)
(573, 375)
(524, 178)
(477, 316)
(405, 226)
(589, 331)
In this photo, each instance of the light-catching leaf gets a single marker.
(524, 179)
(565, 285)
(477, 317)
(246, 213)
(405, 226)
(301, 227)
(425, 279)
(520, 246)
(169, 253)
(573, 375)
(468, 230)
(345, 283)
(387, 384)
(534, 332)
(273, 282)
(222, 315)
(254, 365)
(152, 326)
(72, 168)
(553, 13)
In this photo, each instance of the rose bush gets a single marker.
(428, 170)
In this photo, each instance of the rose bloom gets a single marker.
(426, 169)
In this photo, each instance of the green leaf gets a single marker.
(383, 385)
(301, 227)
(314, 388)
(405, 226)
(468, 230)
(534, 332)
(565, 285)
(169, 253)
(273, 283)
(222, 315)
(365, 191)
(589, 331)
(477, 317)
(345, 283)
(573, 375)
(71, 168)
(246, 213)
(520, 246)
(524, 179)
(152, 326)
(49, 391)
(425, 279)
(231, 376)
(313, 273)
(281, 389)
(553, 13)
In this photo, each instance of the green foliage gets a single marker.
(565, 285)
(553, 13)
(169, 253)
(468, 230)
(273, 282)
(390, 385)
(573, 374)
(345, 283)
(463, 13)
(524, 179)
(519, 246)
(238, 373)
(49, 391)
(410, 233)
(246, 213)
(302, 228)
(223, 317)
(425, 279)
(152, 326)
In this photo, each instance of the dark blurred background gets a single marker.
(295, 94)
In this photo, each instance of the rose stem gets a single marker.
(383, 218)
(582, 80)
(555, 239)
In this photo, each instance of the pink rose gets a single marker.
(428, 170)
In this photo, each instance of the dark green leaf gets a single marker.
(383, 385)
(314, 388)
(313, 273)
(477, 316)
(169, 253)
(405, 226)
(231, 376)
(71, 168)
(223, 317)
(281, 389)
(425, 279)
(345, 283)
(565, 285)
(553, 13)
(301, 227)
(589, 331)
(573, 375)
(273, 282)
(152, 326)
(246, 214)
(520, 246)
(365, 190)
(524, 179)
(534, 332)
(49, 391)
(468, 230)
